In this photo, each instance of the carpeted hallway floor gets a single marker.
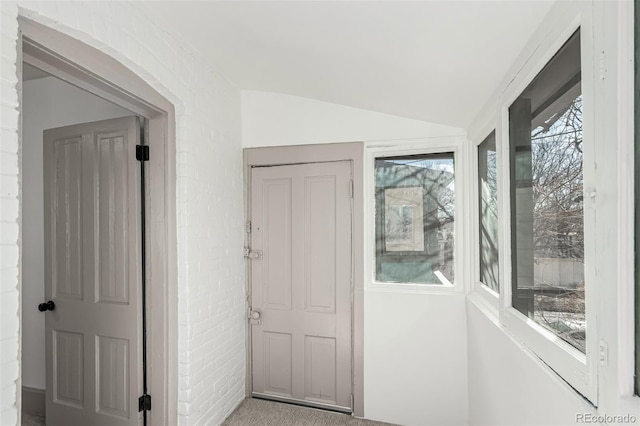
(258, 412)
(32, 420)
(268, 413)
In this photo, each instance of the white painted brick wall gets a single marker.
(9, 207)
(211, 333)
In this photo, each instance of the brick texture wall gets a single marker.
(211, 370)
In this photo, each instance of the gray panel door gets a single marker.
(92, 273)
(301, 286)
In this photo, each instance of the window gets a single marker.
(488, 198)
(415, 209)
(547, 217)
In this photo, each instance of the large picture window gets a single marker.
(488, 198)
(415, 209)
(547, 217)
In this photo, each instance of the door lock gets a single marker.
(252, 254)
(256, 318)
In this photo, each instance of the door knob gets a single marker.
(48, 306)
(256, 317)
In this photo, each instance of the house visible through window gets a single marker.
(415, 209)
(547, 220)
(488, 198)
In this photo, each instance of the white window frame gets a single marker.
(577, 369)
(481, 292)
(624, 383)
(459, 147)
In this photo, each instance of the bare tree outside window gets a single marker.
(558, 225)
(547, 214)
(488, 197)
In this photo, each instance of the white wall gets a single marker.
(211, 329)
(41, 101)
(510, 386)
(273, 119)
(415, 358)
(9, 229)
(415, 348)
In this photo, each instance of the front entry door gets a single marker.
(301, 283)
(92, 273)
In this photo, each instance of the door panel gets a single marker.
(113, 371)
(320, 256)
(301, 286)
(278, 353)
(68, 382)
(92, 273)
(111, 244)
(277, 241)
(320, 369)
(67, 210)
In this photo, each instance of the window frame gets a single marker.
(622, 337)
(481, 292)
(576, 368)
(452, 144)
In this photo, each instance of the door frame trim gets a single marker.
(94, 71)
(320, 153)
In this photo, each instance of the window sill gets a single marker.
(383, 287)
(487, 301)
(517, 339)
(573, 366)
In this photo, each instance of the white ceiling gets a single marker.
(436, 61)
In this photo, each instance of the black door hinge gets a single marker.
(142, 152)
(144, 403)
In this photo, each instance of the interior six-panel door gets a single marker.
(301, 283)
(92, 273)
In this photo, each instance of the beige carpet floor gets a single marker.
(32, 420)
(259, 412)
(268, 413)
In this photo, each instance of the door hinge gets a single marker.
(142, 152)
(351, 188)
(144, 403)
(247, 227)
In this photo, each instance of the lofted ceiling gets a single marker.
(437, 61)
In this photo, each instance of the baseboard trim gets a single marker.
(33, 401)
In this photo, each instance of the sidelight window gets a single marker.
(488, 199)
